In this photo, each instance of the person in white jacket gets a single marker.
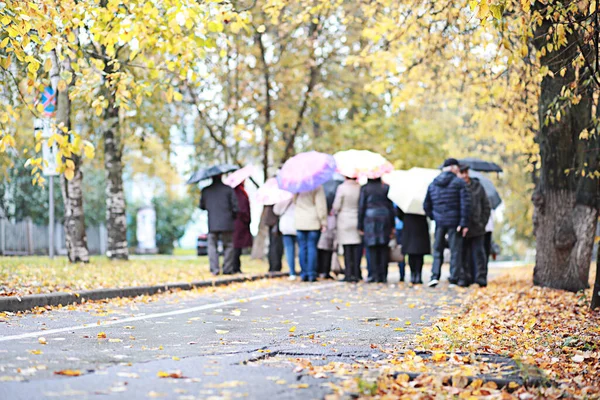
(287, 226)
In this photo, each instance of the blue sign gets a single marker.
(49, 101)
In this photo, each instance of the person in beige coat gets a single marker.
(311, 219)
(345, 206)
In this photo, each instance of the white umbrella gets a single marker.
(409, 188)
(362, 164)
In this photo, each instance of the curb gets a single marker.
(25, 303)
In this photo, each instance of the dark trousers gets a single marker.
(455, 240)
(415, 261)
(226, 239)
(401, 264)
(324, 262)
(474, 269)
(488, 247)
(365, 249)
(237, 263)
(379, 262)
(275, 251)
(352, 258)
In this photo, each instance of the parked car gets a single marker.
(202, 245)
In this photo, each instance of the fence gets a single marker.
(26, 238)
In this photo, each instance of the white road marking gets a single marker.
(166, 314)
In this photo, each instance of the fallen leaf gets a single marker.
(68, 372)
(221, 332)
(101, 335)
(174, 374)
(299, 386)
(42, 340)
(293, 329)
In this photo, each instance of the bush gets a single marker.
(172, 216)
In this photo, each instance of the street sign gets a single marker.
(44, 125)
(49, 102)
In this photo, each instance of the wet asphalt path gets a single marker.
(238, 341)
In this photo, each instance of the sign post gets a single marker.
(50, 167)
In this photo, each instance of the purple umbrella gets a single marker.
(306, 171)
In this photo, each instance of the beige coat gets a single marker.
(345, 206)
(311, 210)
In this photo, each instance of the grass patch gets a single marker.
(20, 276)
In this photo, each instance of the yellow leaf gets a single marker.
(214, 26)
(177, 96)
(261, 29)
(221, 332)
(101, 335)
(293, 329)
(68, 372)
(47, 64)
(70, 164)
(36, 352)
(33, 67)
(42, 340)
(49, 46)
(89, 151)
(62, 85)
(299, 386)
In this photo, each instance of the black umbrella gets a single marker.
(479, 165)
(210, 172)
(488, 186)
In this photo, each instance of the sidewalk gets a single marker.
(510, 340)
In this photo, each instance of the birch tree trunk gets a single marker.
(72, 193)
(116, 220)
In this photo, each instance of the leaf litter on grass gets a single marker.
(21, 276)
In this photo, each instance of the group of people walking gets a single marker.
(358, 217)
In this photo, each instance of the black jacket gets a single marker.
(480, 209)
(222, 206)
(375, 213)
(415, 234)
(448, 201)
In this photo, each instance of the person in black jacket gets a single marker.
(376, 223)
(448, 203)
(474, 267)
(415, 243)
(222, 206)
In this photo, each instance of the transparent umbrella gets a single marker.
(409, 188)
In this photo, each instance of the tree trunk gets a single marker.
(267, 125)
(565, 202)
(72, 193)
(596, 293)
(116, 220)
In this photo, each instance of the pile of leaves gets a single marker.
(20, 276)
(548, 333)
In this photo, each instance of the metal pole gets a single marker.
(51, 218)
